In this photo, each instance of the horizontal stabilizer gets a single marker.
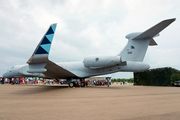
(150, 33)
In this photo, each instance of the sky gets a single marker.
(91, 27)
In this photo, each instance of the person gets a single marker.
(12, 81)
(92, 82)
(29, 81)
(23, 81)
(19, 80)
(32, 81)
(42, 81)
(108, 82)
(98, 83)
(0, 80)
(5, 80)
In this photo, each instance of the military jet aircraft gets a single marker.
(130, 59)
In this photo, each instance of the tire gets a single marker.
(82, 85)
(71, 85)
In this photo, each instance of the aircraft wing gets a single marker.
(55, 71)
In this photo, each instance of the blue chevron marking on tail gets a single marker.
(41, 51)
(50, 37)
(46, 47)
(53, 28)
(50, 31)
(45, 44)
(45, 41)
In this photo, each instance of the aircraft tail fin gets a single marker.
(138, 43)
(42, 50)
(39, 58)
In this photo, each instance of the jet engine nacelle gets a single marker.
(101, 61)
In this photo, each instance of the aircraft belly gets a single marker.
(131, 66)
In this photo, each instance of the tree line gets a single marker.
(130, 80)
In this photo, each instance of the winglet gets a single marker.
(153, 31)
(42, 50)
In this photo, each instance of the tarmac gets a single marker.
(117, 102)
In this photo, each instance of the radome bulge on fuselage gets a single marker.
(130, 59)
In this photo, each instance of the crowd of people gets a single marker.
(25, 81)
(51, 81)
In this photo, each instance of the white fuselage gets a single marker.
(78, 69)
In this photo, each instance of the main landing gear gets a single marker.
(77, 83)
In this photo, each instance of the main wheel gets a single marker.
(71, 85)
(82, 84)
